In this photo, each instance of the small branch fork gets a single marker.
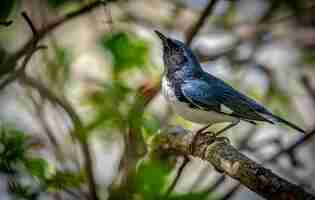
(228, 160)
(8, 65)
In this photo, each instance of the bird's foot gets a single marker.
(213, 137)
(204, 140)
(198, 134)
(208, 138)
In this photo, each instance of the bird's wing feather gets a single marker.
(199, 94)
(205, 95)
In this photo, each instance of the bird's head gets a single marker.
(175, 53)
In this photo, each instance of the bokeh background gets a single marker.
(78, 118)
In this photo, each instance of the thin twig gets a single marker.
(30, 24)
(178, 174)
(8, 64)
(78, 128)
(14, 75)
(292, 147)
(215, 185)
(29, 52)
(39, 106)
(200, 22)
(6, 23)
(231, 192)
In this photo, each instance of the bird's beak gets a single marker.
(162, 37)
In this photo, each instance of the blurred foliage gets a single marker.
(38, 167)
(19, 165)
(59, 3)
(152, 176)
(64, 180)
(111, 105)
(309, 57)
(151, 125)
(128, 51)
(15, 163)
(57, 70)
(13, 149)
(118, 104)
(6, 8)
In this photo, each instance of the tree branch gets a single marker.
(30, 24)
(14, 75)
(78, 129)
(226, 159)
(292, 147)
(8, 64)
(197, 26)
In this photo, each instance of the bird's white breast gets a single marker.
(191, 114)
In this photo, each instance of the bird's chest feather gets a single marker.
(183, 108)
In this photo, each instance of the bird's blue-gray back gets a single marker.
(209, 92)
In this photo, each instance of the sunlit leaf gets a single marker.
(152, 174)
(151, 125)
(37, 167)
(127, 50)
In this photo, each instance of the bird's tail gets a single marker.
(283, 121)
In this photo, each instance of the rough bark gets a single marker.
(228, 160)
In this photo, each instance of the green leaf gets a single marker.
(151, 125)
(13, 148)
(127, 50)
(152, 173)
(111, 105)
(37, 167)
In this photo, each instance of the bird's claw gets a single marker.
(209, 138)
(223, 139)
(212, 137)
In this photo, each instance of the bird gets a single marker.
(202, 98)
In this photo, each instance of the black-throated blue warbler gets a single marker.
(203, 98)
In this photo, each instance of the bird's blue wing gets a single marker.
(200, 95)
(206, 96)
